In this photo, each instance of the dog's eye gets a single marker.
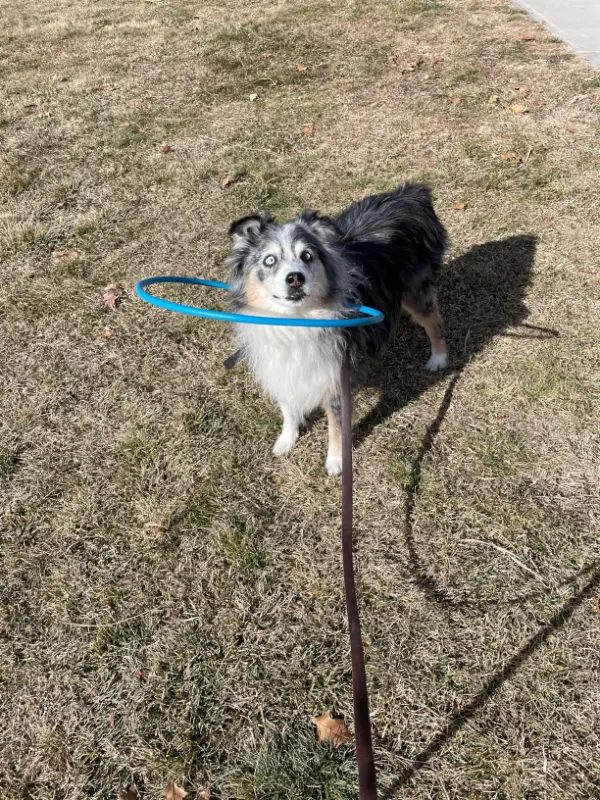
(270, 261)
(306, 255)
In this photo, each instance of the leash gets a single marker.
(367, 782)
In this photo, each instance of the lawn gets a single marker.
(171, 600)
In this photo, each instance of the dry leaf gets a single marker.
(158, 530)
(521, 89)
(174, 792)
(519, 109)
(596, 604)
(166, 148)
(515, 157)
(527, 37)
(44, 114)
(494, 99)
(124, 124)
(128, 794)
(301, 68)
(113, 295)
(454, 100)
(204, 794)
(437, 61)
(252, 97)
(332, 730)
(106, 334)
(66, 253)
(111, 719)
(308, 130)
(458, 206)
(226, 181)
(414, 65)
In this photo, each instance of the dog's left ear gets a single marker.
(247, 229)
(323, 226)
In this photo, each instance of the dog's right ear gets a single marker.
(247, 229)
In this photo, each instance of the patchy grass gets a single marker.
(171, 596)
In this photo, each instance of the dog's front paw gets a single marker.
(334, 465)
(284, 444)
(436, 362)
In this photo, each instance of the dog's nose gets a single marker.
(295, 279)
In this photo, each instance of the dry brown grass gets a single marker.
(172, 606)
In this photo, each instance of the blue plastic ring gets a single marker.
(371, 315)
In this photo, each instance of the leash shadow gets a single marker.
(461, 716)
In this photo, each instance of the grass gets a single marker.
(171, 597)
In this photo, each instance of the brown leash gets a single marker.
(367, 782)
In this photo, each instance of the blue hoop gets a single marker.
(372, 316)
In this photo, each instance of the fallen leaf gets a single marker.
(454, 100)
(44, 114)
(458, 206)
(518, 109)
(527, 37)
(437, 60)
(332, 729)
(252, 97)
(124, 124)
(308, 130)
(521, 89)
(158, 530)
(204, 794)
(301, 68)
(596, 604)
(166, 148)
(106, 334)
(174, 792)
(66, 253)
(515, 157)
(111, 719)
(413, 66)
(128, 794)
(226, 181)
(494, 99)
(113, 295)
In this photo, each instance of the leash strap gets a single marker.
(367, 782)
(230, 362)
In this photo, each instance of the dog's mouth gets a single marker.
(295, 296)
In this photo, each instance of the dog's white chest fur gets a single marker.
(298, 367)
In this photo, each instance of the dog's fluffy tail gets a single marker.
(382, 219)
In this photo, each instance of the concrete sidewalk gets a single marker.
(577, 22)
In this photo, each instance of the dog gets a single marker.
(383, 251)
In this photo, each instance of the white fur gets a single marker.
(298, 367)
(436, 362)
(334, 465)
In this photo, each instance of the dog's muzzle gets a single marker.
(295, 281)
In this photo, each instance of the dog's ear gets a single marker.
(323, 226)
(247, 229)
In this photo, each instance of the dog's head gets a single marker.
(289, 268)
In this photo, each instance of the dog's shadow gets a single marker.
(481, 294)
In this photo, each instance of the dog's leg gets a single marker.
(334, 453)
(424, 310)
(289, 433)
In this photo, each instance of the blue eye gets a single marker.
(270, 261)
